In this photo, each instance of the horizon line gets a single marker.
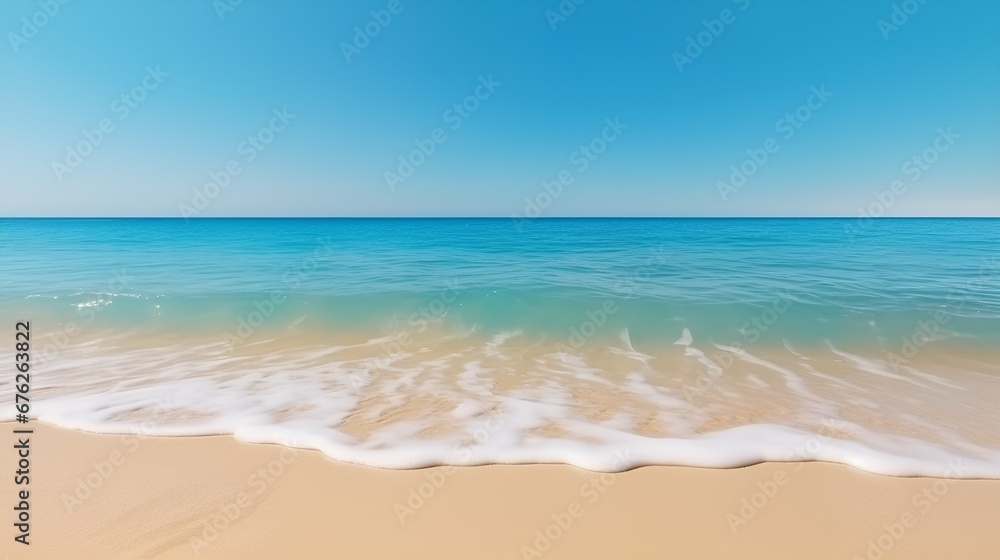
(377, 217)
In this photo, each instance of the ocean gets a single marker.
(403, 343)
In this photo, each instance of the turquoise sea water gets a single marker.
(396, 343)
(751, 280)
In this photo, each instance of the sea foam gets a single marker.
(509, 400)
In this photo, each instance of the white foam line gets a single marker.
(732, 448)
(935, 379)
(792, 381)
(816, 373)
(873, 367)
(302, 403)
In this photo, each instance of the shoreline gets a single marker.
(459, 406)
(102, 496)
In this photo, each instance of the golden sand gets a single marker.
(108, 496)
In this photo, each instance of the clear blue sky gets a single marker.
(348, 122)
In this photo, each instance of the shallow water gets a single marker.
(406, 343)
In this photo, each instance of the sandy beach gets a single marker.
(561, 280)
(112, 496)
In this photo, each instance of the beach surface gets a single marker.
(114, 496)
